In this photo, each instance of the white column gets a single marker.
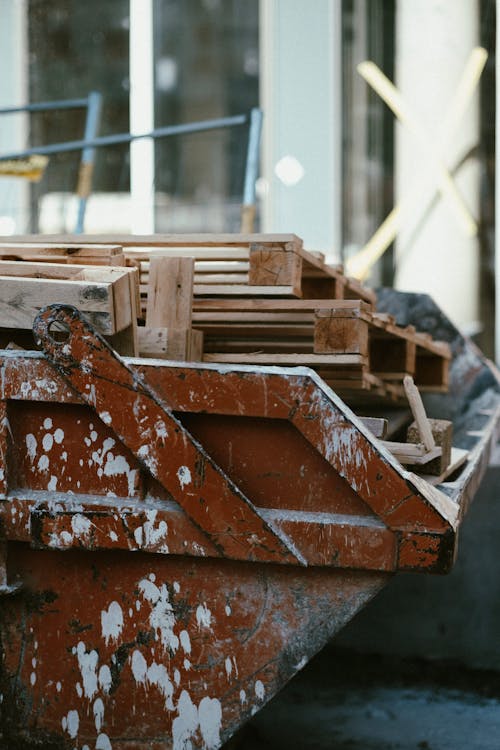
(301, 95)
(434, 40)
(497, 195)
(14, 192)
(142, 155)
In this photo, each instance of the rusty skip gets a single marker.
(185, 537)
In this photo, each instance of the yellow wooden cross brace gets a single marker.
(432, 146)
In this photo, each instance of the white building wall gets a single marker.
(14, 192)
(300, 96)
(434, 39)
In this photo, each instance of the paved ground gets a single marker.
(345, 702)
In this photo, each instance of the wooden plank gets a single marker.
(237, 290)
(160, 240)
(170, 293)
(312, 360)
(272, 305)
(457, 459)
(411, 453)
(170, 303)
(419, 415)
(74, 250)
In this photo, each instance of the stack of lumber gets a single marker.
(253, 299)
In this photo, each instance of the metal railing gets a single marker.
(91, 141)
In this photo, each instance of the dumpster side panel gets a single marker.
(170, 650)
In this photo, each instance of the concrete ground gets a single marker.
(345, 701)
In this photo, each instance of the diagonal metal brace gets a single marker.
(159, 441)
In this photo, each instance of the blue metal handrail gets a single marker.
(90, 142)
(92, 103)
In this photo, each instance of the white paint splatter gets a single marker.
(47, 442)
(144, 454)
(105, 680)
(161, 429)
(203, 616)
(52, 484)
(229, 666)
(187, 665)
(31, 446)
(184, 476)
(185, 641)
(177, 587)
(80, 525)
(155, 674)
(185, 723)
(87, 663)
(48, 423)
(72, 723)
(162, 618)
(139, 667)
(58, 687)
(112, 622)
(259, 690)
(106, 417)
(43, 463)
(210, 718)
(177, 677)
(78, 689)
(59, 436)
(116, 465)
(158, 675)
(138, 536)
(243, 697)
(98, 709)
(113, 536)
(229, 611)
(103, 743)
(148, 535)
(33, 678)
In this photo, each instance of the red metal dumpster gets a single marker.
(179, 540)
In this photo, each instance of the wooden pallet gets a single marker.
(259, 299)
(366, 350)
(235, 264)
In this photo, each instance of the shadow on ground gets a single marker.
(346, 701)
